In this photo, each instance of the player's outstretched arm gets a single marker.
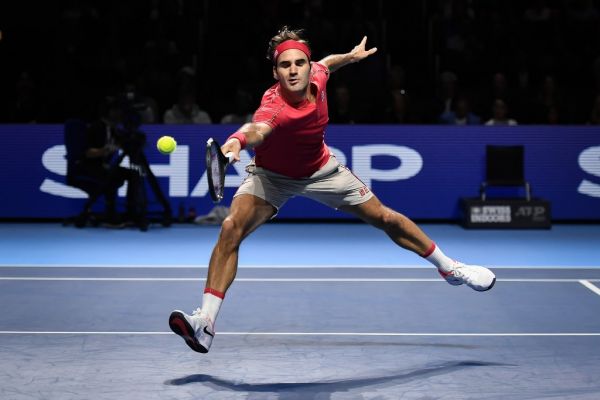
(255, 134)
(359, 52)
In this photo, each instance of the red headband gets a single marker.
(290, 44)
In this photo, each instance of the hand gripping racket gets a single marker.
(216, 164)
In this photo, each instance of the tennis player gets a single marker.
(292, 159)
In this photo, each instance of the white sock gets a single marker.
(210, 307)
(439, 259)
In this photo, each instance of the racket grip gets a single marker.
(229, 156)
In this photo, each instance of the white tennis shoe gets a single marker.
(476, 277)
(197, 332)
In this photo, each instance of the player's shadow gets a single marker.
(324, 389)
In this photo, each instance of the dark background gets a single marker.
(60, 59)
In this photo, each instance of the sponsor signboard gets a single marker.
(421, 171)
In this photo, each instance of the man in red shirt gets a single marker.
(287, 135)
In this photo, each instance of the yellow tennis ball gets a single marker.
(166, 144)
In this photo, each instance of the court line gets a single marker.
(450, 334)
(281, 266)
(587, 283)
(109, 279)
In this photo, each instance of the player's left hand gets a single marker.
(360, 53)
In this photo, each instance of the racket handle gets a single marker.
(229, 156)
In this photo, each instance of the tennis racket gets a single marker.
(216, 164)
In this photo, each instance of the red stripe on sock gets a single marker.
(214, 292)
(430, 251)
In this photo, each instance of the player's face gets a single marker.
(292, 71)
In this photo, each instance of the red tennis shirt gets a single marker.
(296, 146)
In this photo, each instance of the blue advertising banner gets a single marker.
(421, 171)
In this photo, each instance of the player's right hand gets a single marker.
(234, 146)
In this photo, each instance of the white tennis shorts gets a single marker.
(333, 185)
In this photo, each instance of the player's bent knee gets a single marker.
(231, 231)
(387, 217)
(391, 220)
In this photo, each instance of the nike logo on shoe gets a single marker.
(207, 332)
(450, 278)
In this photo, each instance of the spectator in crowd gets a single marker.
(398, 109)
(500, 115)
(457, 22)
(186, 111)
(186, 77)
(243, 109)
(524, 94)
(341, 110)
(499, 89)
(146, 107)
(396, 77)
(166, 46)
(443, 102)
(552, 116)
(449, 82)
(547, 101)
(461, 115)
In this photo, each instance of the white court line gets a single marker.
(587, 283)
(279, 266)
(452, 334)
(105, 279)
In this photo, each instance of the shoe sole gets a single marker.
(181, 327)
(487, 288)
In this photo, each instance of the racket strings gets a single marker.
(217, 168)
(215, 165)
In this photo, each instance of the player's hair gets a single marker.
(285, 33)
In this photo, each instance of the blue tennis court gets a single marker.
(318, 311)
